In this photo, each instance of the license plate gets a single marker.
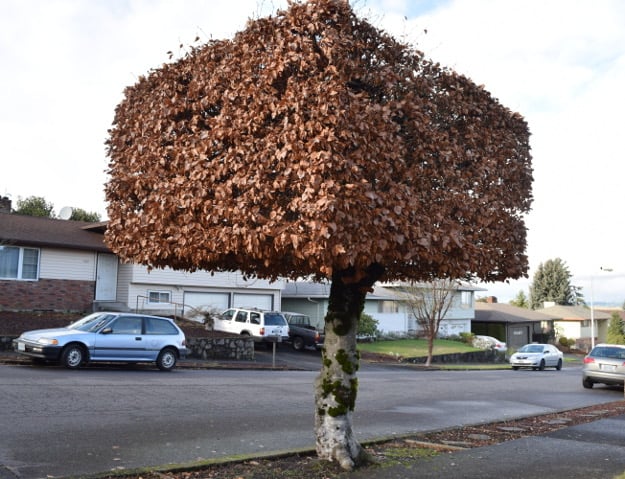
(608, 367)
(21, 347)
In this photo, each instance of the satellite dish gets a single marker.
(66, 212)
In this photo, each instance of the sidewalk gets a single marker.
(595, 450)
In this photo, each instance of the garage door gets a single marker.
(519, 336)
(258, 301)
(205, 301)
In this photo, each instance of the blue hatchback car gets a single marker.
(106, 337)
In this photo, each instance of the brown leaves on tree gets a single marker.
(313, 142)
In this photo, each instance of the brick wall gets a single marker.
(47, 295)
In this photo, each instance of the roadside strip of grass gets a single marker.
(414, 348)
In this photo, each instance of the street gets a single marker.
(59, 422)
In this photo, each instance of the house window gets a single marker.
(466, 299)
(19, 263)
(388, 307)
(155, 297)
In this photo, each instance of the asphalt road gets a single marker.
(57, 422)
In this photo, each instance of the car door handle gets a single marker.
(138, 338)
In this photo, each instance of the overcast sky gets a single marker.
(560, 63)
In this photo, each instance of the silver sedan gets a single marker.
(537, 356)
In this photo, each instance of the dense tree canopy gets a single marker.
(313, 144)
(34, 206)
(312, 141)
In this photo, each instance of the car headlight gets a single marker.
(48, 341)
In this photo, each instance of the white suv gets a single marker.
(263, 326)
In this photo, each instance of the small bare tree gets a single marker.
(429, 303)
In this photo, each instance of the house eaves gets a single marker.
(507, 313)
(573, 313)
(309, 289)
(32, 231)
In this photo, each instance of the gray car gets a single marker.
(537, 356)
(604, 364)
(108, 337)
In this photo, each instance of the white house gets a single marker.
(59, 265)
(383, 304)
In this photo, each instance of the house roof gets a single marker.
(574, 313)
(35, 231)
(507, 313)
(461, 286)
(309, 289)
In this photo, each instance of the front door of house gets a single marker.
(106, 278)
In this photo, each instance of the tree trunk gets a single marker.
(337, 385)
(428, 361)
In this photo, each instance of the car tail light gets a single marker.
(262, 331)
(317, 336)
(589, 360)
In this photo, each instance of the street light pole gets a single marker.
(592, 308)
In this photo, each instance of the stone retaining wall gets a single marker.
(237, 347)
(486, 356)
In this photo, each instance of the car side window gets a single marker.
(127, 325)
(228, 314)
(254, 318)
(159, 326)
(241, 317)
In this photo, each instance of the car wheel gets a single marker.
(587, 383)
(516, 368)
(542, 365)
(559, 365)
(166, 359)
(73, 356)
(298, 343)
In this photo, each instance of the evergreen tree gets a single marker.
(616, 335)
(552, 282)
(520, 300)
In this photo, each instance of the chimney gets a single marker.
(5, 204)
(491, 299)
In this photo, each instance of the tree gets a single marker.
(552, 282)
(34, 206)
(520, 300)
(429, 303)
(314, 145)
(367, 326)
(78, 214)
(615, 335)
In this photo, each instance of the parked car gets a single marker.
(301, 333)
(489, 342)
(537, 356)
(604, 364)
(107, 337)
(264, 326)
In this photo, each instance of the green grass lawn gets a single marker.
(411, 348)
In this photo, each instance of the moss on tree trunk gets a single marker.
(336, 387)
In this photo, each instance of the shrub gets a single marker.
(367, 326)
(467, 337)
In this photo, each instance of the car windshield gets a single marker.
(274, 319)
(531, 348)
(92, 322)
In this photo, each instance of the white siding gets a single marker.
(140, 274)
(570, 329)
(67, 264)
